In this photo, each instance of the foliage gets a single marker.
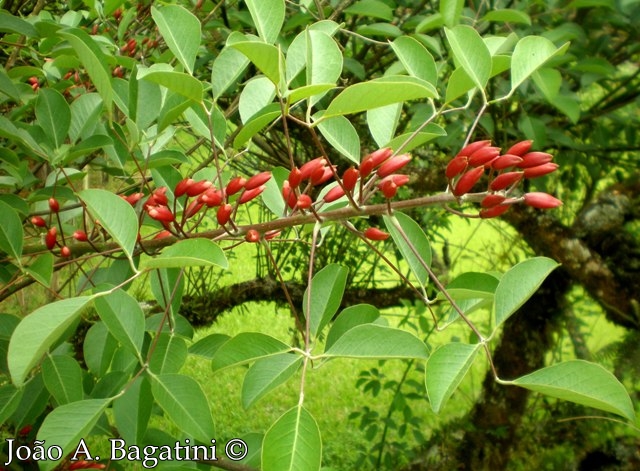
(202, 114)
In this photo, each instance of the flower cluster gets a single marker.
(505, 173)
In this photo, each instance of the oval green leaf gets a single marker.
(181, 32)
(185, 403)
(267, 374)
(342, 136)
(190, 253)
(518, 284)
(445, 369)
(471, 53)
(413, 245)
(124, 318)
(11, 231)
(292, 443)
(38, 331)
(327, 288)
(581, 382)
(63, 378)
(377, 341)
(246, 347)
(529, 55)
(268, 16)
(53, 114)
(67, 424)
(349, 318)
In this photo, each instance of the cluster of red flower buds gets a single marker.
(199, 196)
(376, 172)
(53, 238)
(505, 172)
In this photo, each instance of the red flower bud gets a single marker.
(193, 208)
(540, 170)
(163, 234)
(252, 236)
(289, 195)
(38, 221)
(495, 211)
(235, 185)
(350, 178)
(25, 430)
(469, 149)
(50, 238)
(373, 233)
(393, 165)
(65, 252)
(492, 200)
(211, 197)
(161, 213)
(398, 178)
(366, 167)
(467, 181)
(379, 156)
(133, 198)
(181, 187)
(483, 156)
(505, 180)
(389, 188)
(80, 236)
(224, 214)
(303, 202)
(456, 167)
(54, 206)
(520, 148)
(533, 159)
(321, 175)
(333, 194)
(506, 161)
(271, 234)
(199, 187)
(248, 195)
(311, 167)
(295, 177)
(159, 196)
(257, 180)
(541, 200)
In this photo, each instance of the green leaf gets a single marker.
(451, 11)
(292, 443)
(471, 53)
(94, 61)
(257, 123)
(383, 30)
(307, 91)
(85, 111)
(415, 58)
(185, 403)
(529, 55)
(379, 92)
(256, 94)
(445, 369)
(178, 82)
(324, 60)
(349, 318)
(190, 253)
(10, 397)
(382, 123)
(124, 318)
(265, 57)
(267, 374)
(167, 286)
(181, 32)
(431, 131)
(169, 354)
(581, 382)
(272, 195)
(422, 255)
(67, 424)
(6, 84)
(371, 8)
(246, 347)
(53, 115)
(38, 331)
(14, 24)
(507, 15)
(226, 69)
(206, 347)
(63, 378)
(11, 231)
(99, 348)
(518, 284)
(115, 215)
(342, 135)
(132, 411)
(268, 16)
(327, 288)
(377, 341)
(35, 398)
